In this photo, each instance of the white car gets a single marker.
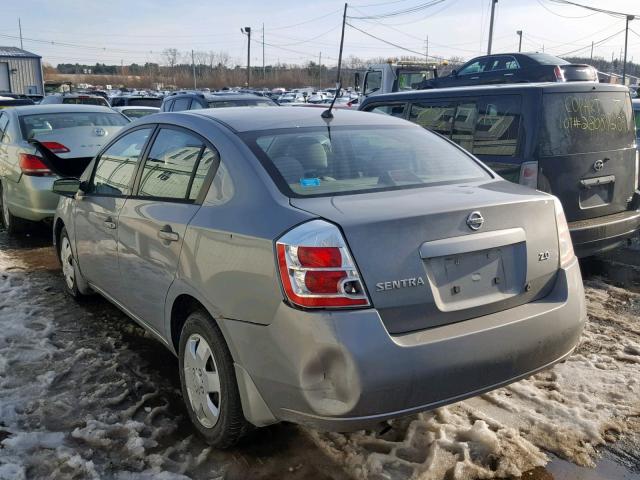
(134, 112)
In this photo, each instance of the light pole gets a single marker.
(493, 13)
(247, 30)
(626, 37)
(519, 32)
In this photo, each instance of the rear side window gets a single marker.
(315, 162)
(117, 164)
(586, 122)
(181, 104)
(169, 168)
(393, 110)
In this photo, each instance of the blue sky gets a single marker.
(89, 31)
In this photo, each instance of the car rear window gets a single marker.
(546, 59)
(145, 102)
(240, 103)
(576, 123)
(317, 162)
(137, 112)
(31, 125)
(85, 101)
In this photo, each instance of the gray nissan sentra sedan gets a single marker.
(331, 272)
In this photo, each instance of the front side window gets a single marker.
(372, 82)
(314, 162)
(170, 164)
(117, 164)
(476, 67)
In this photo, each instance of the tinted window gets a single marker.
(372, 82)
(145, 102)
(196, 105)
(436, 116)
(85, 101)
(116, 166)
(546, 59)
(47, 122)
(476, 67)
(168, 169)
(586, 122)
(393, 110)
(498, 126)
(636, 113)
(312, 162)
(181, 104)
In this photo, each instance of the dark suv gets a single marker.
(513, 68)
(196, 100)
(575, 140)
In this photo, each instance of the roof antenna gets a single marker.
(327, 113)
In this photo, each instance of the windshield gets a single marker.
(32, 125)
(586, 122)
(316, 162)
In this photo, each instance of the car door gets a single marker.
(96, 211)
(153, 221)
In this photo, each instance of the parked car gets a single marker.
(636, 115)
(8, 102)
(291, 98)
(513, 68)
(74, 132)
(193, 101)
(74, 99)
(133, 113)
(136, 101)
(334, 273)
(574, 140)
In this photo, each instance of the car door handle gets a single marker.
(165, 233)
(508, 74)
(475, 78)
(109, 223)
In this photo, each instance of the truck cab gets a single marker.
(393, 77)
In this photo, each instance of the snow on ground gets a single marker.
(590, 399)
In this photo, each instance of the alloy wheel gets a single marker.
(202, 380)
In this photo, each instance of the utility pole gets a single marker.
(626, 37)
(344, 21)
(320, 72)
(493, 11)
(247, 30)
(519, 32)
(591, 57)
(20, 28)
(264, 72)
(193, 65)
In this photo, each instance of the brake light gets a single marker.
(565, 245)
(316, 268)
(529, 174)
(559, 74)
(55, 147)
(32, 165)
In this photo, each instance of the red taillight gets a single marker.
(317, 276)
(56, 147)
(559, 74)
(32, 165)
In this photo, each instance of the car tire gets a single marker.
(74, 283)
(209, 385)
(11, 223)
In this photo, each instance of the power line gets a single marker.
(594, 44)
(564, 16)
(404, 11)
(306, 21)
(594, 9)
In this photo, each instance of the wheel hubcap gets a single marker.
(202, 380)
(5, 208)
(67, 262)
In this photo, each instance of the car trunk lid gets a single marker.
(423, 263)
(587, 152)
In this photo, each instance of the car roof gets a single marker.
(135, 107)
(248, 119)
(556, 87)
(60, 108)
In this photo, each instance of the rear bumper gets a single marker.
(599, 234)
(343, 371)
(32, 198)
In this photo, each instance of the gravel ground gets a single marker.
(86, 394)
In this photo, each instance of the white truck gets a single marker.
(393, 77)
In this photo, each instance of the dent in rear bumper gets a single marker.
(344, 371)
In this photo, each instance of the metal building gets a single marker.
(20, 72)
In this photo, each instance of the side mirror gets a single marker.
(67, 187)
(356, 81)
